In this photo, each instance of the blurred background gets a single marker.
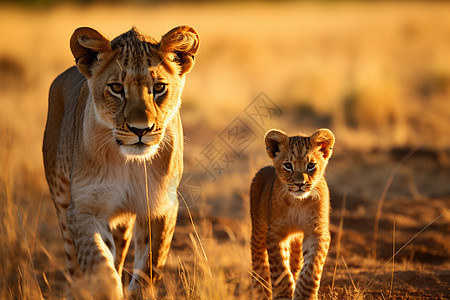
(376, 73)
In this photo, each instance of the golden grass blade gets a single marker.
(144, 276)
(339, 237)
(36, 282)
(282, 275)
(46, 282)
(383, 197)
(350, 275)
(261, 280)
(197, 236)
(33, 243)
(401, 248)
(52, 259)
(150, 255)
(393, 261)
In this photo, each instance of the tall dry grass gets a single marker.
(377, 74)
(19, 279)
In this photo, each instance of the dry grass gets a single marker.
(378, 75)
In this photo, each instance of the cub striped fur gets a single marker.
(290, 216)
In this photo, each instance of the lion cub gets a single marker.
(290, 215)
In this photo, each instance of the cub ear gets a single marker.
(183, 41)
(324, 139)
(86, 43)
(274, 139)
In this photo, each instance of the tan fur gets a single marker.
(290, 216)
(109, 118)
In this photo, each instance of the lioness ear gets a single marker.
(273, 139)
(183, 41)
(86, 43)
(324, 139)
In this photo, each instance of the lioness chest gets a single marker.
(113, 189)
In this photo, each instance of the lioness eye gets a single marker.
(311, 166)
(159, 88)
(116, 88)
(287, 166)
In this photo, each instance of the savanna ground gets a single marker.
(377, 75)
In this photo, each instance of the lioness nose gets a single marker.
(140, 131)
(299, 184)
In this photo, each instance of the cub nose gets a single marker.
(140, 131)
(300, 185)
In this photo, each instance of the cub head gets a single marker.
(299, 161)
(135, 82)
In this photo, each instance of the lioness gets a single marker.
(113, 154)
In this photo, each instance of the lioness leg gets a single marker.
(122, 235)
(162, 232)
(94, 245)
(60, 193)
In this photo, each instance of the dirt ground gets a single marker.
(421, 264)
(420, 268)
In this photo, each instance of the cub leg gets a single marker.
(282, 281)
(260, 263)
(94, 245)
(315, 249)
(162, 232)
(296, 258)
(122, 235)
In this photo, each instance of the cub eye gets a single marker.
(116, 88)
(288, 166)
(159, 88)
(311, 166)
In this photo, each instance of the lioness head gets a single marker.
(135, 82)
(299, 161)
